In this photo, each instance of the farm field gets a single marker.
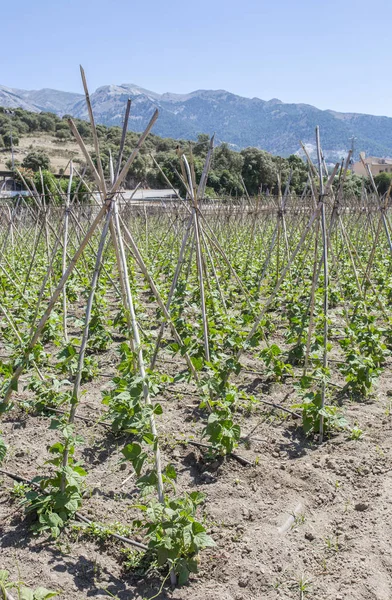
(301, 514)
(195, 395)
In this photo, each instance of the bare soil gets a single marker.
(59, 152)
(310, 516)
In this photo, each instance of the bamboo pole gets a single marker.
(199, 260)
(172, 290)
(65, 242)
(140, 359)
(55, 296)
(326, 274)
(123, 137)
(157, 295)
(83, 345)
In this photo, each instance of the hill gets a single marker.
(48, 133)
(272, 125)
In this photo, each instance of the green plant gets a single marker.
(20, 490)
(276, 367)
(299, 519)
(304, 586)
(53, 330)
(220, 396)
(356, 433)
(24, 593)
(68, 362)
(364, 352)
(59, 496)
(361, 373)
(312, 409)
(174, 534)
(36, 160)
(99, 336)
(222, 433)
(3, 449)
(126, 407)
(127, 410)
(332, 544)
(49, 393)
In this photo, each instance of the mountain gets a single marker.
(272, 125)
(10, 98)
(51, 100)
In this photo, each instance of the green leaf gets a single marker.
(183, 573)
(42, 593)
(162, 555)
(79, 470)
(187, 535)
(3, 450)
(54, 520)
(197, 497)
(197, 527)
(213, 417)
(170, 472)
(148, 438)
(197, 362)
(202, 540)
(72, 506)
(133, 453)
(26, 594)
(56, 448)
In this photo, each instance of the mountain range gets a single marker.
(271, 125)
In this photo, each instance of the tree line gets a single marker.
(231, 171)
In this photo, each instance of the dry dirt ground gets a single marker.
(306, 521)
(59, 152)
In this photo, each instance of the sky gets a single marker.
(334, 54)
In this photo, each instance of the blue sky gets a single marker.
(334, 54)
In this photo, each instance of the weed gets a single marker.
(332, 544)
(20, 490)
(356, 433)
(303, 585)
(299, 519)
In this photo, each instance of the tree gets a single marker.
(383, 182)
(46, 122)
(84, 129)
(50, 186)
(77, 184)
(138, 169)
(31, 121)
(36, 160)
(62, 126)
(299, 175)
(258, 169)
(352, 185)
(230, 184)
(62, 134)
(7, 140)
(165, 145)
(201, 146)
(225, 158)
